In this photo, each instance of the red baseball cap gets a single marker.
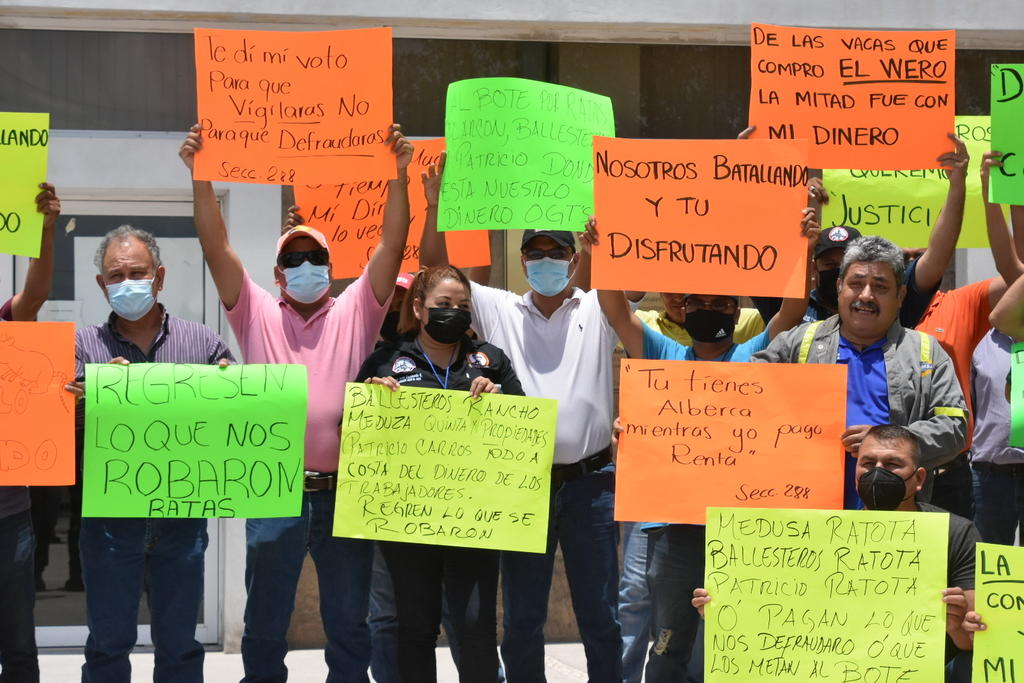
(404, 280)
(301, 231)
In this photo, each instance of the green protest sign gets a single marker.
(520, 155)
(850, 595)
(902, 206)
(439, 467)
(1017, 395)
(1006, 185)
(177, 440)
(23, 144)
(999, 599)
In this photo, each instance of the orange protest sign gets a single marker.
(700, 216)
(877, 100)
(37, 416)
(294, 107)
(699, 434)
(351, 215)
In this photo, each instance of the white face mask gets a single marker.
(306, 283)
(131, 299)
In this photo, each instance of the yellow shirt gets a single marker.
(749, 326)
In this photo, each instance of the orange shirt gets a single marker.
(958, 319)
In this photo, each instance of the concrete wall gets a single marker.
(985, 24)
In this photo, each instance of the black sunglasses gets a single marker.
(556, 253)
(294, 259)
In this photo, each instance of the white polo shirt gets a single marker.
(567, 357)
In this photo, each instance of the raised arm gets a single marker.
(386, 261)
(615, 305)
(1004, 251)
(1008, 314)
(792, 311)
(225, 265)
(942, 242)
(26, 304)
(433, 247)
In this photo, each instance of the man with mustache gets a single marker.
(896, 375)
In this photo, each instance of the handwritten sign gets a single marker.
(177, 440)
(728, 434)
(37, 416)
(881, 100)
(289, 108)
(903, 206)
(999, 599)
(850, 595)
(519, 154)
(1006, 184)
(439, 467)
(1017, 395)
(23, 145)
(676, 216)
(351, 215)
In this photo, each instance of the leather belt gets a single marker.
(320, 481)
(560, 474)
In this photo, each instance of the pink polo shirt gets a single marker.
(332, 345)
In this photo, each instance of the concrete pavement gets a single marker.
(565, 664)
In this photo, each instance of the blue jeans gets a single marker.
(276, 551)
(998, 501)
(121, 558)
(383, 622)
(18, 661)
(581, 519)
(634, 603)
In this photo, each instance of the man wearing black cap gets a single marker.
(561, 347)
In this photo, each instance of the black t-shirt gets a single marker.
(963, 535)
(405, 361)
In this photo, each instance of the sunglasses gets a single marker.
(294, 259)
(556, 253)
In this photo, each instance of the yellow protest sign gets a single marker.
(439, 467)
(999, 599)
(851, 595)
(903, 206)
(23, 146)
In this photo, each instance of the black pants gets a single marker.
(469, 579)
(675, 567)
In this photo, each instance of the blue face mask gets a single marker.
(547, 276)
(306, 283)
(131, 299)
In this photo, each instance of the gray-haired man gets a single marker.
(896, 375)
(121, 557)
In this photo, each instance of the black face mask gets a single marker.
(447, 325)
(709, 326)
(881, 489)
(828, 291)
(389, 328)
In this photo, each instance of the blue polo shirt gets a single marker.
(659, 347)
(867, 400)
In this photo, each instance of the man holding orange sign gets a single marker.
(896, 375)
(675, 551)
